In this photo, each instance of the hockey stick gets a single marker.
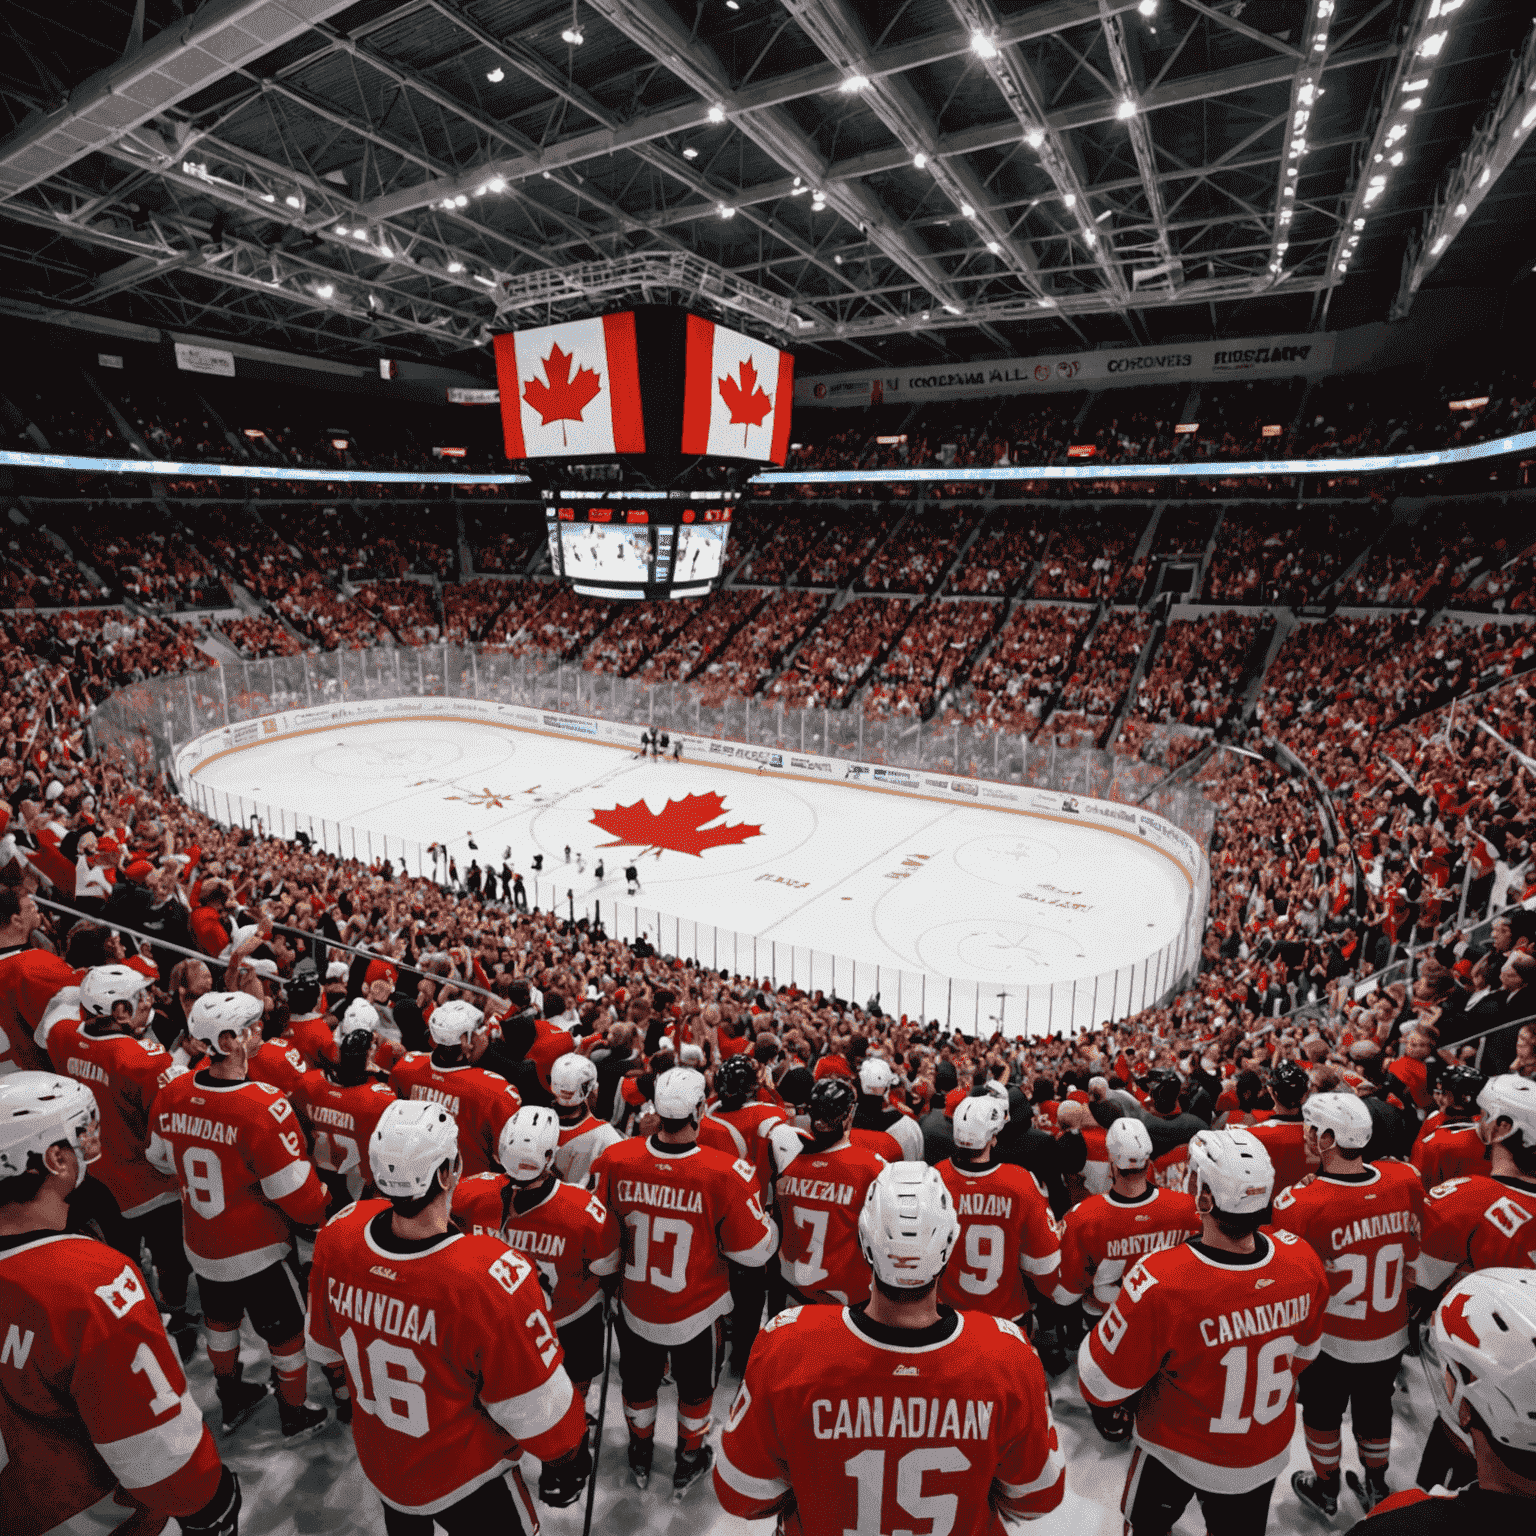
(602, 1407)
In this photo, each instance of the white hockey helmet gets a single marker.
(39, 1109)
(1127, 1143)
(1485, 1333)
(995, 1089)
(361, 1017)
(1343, 1114)
(526, 1146)
(679, 1093)
(453, 1023)
(105, 985)
(571, 1079)
(1512, 1098)
(412, 1140)
(875, 1076)
(908, 1226)
(977, 1122)
(1234, 1166)
(215, 1012)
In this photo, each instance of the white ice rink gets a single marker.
(1004, 898)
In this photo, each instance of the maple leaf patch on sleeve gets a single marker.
(563, 398)
(745, 399)
(681, 825)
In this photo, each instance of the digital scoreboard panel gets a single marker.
(613, 545)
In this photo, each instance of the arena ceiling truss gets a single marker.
(892, 180)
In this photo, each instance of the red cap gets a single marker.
(1463, 968)
(952, 1101)
(106, 843)
(140, 870)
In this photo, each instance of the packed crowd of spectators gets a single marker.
(919, 552)
(319, 612)
(1085, 557)
(755, 652)
(1276, 554)
(837, 655)
(632, 636)
(1198, 668)
(1098, 682)
(144, 557)
(924, 664)
(409, 608)
(469, 607)
(256, 636)
(32, 574)
(1009, 687)
(1003, 554)
(711, 623)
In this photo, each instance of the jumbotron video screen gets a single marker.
(608, 546)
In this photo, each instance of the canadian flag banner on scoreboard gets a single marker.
(571, 390)
(737, 394)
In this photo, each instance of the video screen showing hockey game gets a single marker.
(700, 552)
(597, 552)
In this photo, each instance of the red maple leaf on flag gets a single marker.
(681, 826)
(563, 398)
(745, 400)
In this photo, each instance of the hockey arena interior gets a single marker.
(767, 766)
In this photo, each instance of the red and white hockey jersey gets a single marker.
(92, 1394)
(126, 1075)
(450, 1355)
(342, 1121)
(1366, 1232)
(1006, 1232)
(1218, 1344)
(313, 1036)
(1105, 1234)
(1476, 1223)
(29, 981)
(1454, 1151)
(570, 1237)
(278, 1063)
(684, 1211)
(744, 1133)
(580, 1146)
(820, 1195)
(239, 1155)
(480, 1102)
(1286, 1143)
(842, 1426)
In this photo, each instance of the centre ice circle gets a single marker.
(832, 882)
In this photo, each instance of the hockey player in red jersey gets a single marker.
(1283, 1135)
(568, 1234)
(108, 1046)
(822, 1181)
(310, 1029)
(741, 1126)
(1485, 1220)
(685, 1211)
(92, 1395)
(450, 1361)
(1007, 1232)
(1363, 1222)
(1106, 1234)
(1449, 1145)
(341, 1102)
(479, 1101)
(29, 980)
(899, 1413)
(1485, 1338)
(573, 1087)
(1208, 1338)
(236, 1148)
(1455, 1095)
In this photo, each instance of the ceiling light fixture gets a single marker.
(716, 114)
(455, 265)
(461, 201)
(1070, 200)
(854, 84)
(1035, 138)
(497, 184)
(983, 46)
(690, 153)
(967, 210)
(1148, 7)
(920, 160)
(1126, 109)
(994, 247)
(325, 290)
(725, 210)
(573, 36)
(496, 76)
(342, 230)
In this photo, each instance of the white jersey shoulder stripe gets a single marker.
(138, 1461)
(1092, 1376)
(744, 1483)
(1055, 1467)
(286, 1181)
(534, 1413)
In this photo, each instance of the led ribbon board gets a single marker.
(1520, 442)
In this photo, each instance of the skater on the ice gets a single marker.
(453, 875)
(470, 838)
(472, 879)
(631, 878)
(567, 853)
(677, 749)
(663, 744)
(519, 893)
(597, 873)
(538, 863)
(506, 882)
(581, 865)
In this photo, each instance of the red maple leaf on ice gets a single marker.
(681, 826)
(746, 402)
(563, 398)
